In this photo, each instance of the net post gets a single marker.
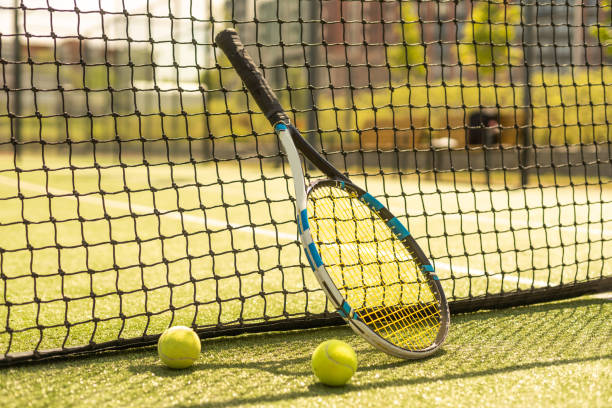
(313, 61)
(529, 44)
(17, 81)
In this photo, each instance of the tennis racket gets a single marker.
(366, 261)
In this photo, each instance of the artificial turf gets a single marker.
(554, 354)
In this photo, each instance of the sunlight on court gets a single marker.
(212, 250)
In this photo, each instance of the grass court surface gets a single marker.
(554, 354)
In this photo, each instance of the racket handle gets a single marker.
(229, 41)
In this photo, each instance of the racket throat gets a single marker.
(314, 156)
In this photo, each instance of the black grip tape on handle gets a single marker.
(229, 41)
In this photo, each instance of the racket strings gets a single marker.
(374, 271)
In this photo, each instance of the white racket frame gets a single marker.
(316, 263)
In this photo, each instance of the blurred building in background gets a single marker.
(351, 36)
(142, 65)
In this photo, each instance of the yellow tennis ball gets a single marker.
(334, 362)
(179, 347)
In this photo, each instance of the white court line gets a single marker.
(211, 222)
(516, 223)
(605, 296)
(456, 269)
(140, 209)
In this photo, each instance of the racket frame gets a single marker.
(287, 135)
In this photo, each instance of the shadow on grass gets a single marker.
(317, 389)
(484, 344)
(281, 364)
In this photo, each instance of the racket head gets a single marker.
(372, 270)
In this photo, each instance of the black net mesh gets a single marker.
(140, 187)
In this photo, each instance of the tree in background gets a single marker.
(604, 32)
(408, 55)
(487, 41)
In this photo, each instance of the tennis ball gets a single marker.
(334, 362)
(179, 347)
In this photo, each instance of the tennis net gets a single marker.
(140, 187)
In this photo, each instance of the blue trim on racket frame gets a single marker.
(398, 228)
(345, 310)
(314, 259)
(303, 222)
(370, 201)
